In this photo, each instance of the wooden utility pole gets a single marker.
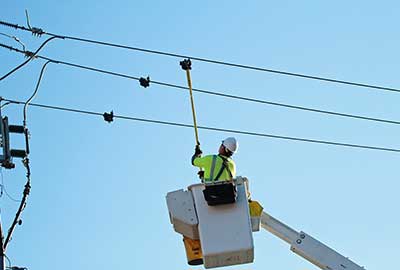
(2, 252)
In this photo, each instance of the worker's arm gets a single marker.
(202, 162)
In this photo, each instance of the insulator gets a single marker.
(18, 153)
(16, 129)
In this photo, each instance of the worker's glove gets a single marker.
(197, 151)
(201, 174)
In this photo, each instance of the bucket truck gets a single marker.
(221, 235)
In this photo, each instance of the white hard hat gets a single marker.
(231, 144)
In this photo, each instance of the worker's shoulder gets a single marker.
(204, 158)
(209, 157)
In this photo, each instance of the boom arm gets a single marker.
(308, 247)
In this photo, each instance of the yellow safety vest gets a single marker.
(212, 164)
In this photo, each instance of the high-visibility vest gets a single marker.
(212, 165)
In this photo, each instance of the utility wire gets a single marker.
(8, 260)
(5, 104)
(25, 161)
(3, 188)
(23, 201)
(2, 183)
(265, 135)
(208, 92)
(30, 57)
(39, 32)
(35, 92)
(15, 39)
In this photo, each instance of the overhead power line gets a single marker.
(209, 92)
(257, 134)
(30, 57)
(15, 39)
(39, 32)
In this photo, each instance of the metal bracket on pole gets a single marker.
(5, 156)
(7, 153)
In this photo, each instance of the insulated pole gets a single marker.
(187, 66)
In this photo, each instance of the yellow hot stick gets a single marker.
(193, 109)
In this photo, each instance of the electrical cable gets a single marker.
(16, 39)
(36, 90)
(234, 96)
(8, 260)
(25, 161)
(27, 186)
(2, 183)
(5, 104)
(27, 19)
(208, 92)
(3, 188)
(29, 59)
(265, 135)
(22, 204)
(9, 196)
(39, 32)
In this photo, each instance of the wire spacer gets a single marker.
(145, 82)
(108, 117)
(186, 64)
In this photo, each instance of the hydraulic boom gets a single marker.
(308, 247)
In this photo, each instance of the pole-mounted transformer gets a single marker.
(7, 153)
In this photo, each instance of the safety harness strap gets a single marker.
(214, 160)
(224, 166)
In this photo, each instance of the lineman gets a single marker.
(217, 167)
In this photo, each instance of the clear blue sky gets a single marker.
(98, 189)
